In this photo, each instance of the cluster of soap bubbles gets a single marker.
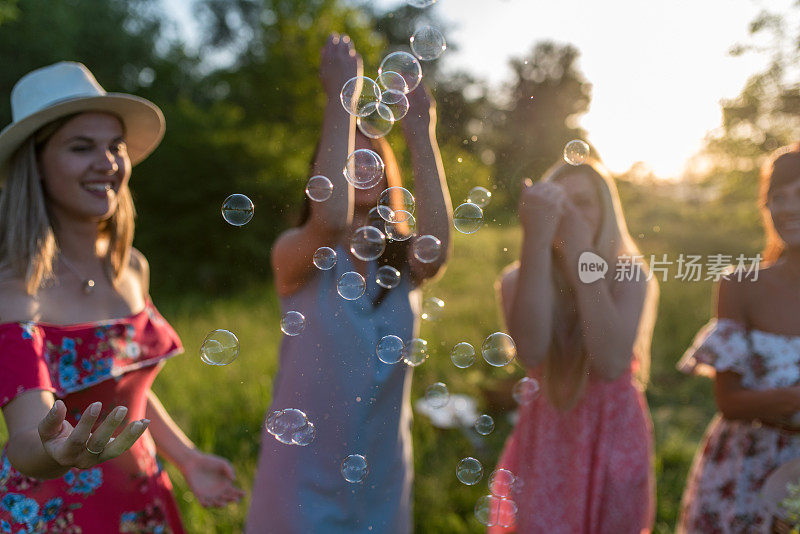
(497, 508)
(355, 468)
(291, 426)
(378, 104)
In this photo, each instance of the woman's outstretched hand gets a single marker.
(211, 479)
(339, 63)
(78, 446)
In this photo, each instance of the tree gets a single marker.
(547, 96)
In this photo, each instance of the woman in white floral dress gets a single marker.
(752, 351)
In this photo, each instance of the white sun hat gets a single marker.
(65, 88)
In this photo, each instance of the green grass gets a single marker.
(222, 409)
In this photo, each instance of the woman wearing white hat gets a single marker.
(80, 340)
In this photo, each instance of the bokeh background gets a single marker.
(238, 83)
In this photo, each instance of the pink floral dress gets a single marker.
(588, 470)
(736, 457)
(114, 362)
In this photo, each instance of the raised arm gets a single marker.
(434, 212)
(527, 290)
(293, 250)
(609, 321)
(733, 400)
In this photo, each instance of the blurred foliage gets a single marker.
(244, 111)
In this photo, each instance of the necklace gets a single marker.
(87, 284)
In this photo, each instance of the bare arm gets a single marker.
(170, 440)
(43, 444)
(434, 212)
(527, 290)
(294, 249)
(733, 400)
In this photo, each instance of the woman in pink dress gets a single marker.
(80, 339)
(581, 453)
(752, 351)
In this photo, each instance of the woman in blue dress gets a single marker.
(358, 404)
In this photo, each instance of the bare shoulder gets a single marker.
(15, 303)
(138, 262)
(733, 293)
(140, 269)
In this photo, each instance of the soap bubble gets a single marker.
(396, 204)
(324, 258)
(428, 43)
(468, 218)
(406, 66)
(437, 395)
(501, 483)
(355, 468)
(396, 101)
(469, 471)
(293, 323)
(351, 285)
(525, 390)
(305, 435)
(378, 122)
(287, 424)
(237, 209)
(462, 355)
(390, 349)
(319, 188)
(220, 347)
(427, 248)
(484, 424)
(420, 3)
(367, 243)
(495, 511)
(358, 94)
(415, 352)
(576, 152)
(363, 169)
(432, 309)
(480, 196)
(391, 81)
(498, 349)
(401, 231)
(387, 277)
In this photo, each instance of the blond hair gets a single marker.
(28, 243)
(566, 366)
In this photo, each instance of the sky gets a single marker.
(658, 70)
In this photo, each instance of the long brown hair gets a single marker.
(566, 367)
(781, 168)
(28, 245)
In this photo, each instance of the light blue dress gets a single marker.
(358, 404)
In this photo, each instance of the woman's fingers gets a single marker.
(50, 426)
(124, 439)
(99, 439)
(77, 439)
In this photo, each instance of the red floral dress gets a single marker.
(730, 467)
(114, 362)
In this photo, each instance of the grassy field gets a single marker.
(221, 409)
